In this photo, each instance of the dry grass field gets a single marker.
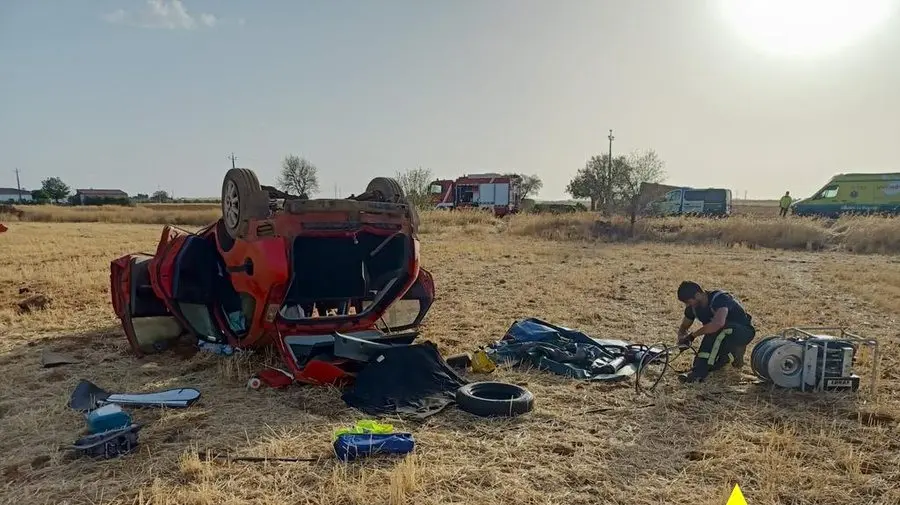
(749, 227)
(681, 445)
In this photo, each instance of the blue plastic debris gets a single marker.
(106, 418)
(350, 446)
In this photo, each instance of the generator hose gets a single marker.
(656, 354)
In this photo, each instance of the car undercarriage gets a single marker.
(324, 281)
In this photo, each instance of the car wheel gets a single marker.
(390, 190)
(238, 190)
(226, 241)
(494, 399)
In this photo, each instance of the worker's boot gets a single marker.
(738, 355)
(688, 378)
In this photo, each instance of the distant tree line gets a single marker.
(610, 187)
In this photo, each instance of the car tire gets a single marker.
(391, 191)
(226, 241)
(240, 188)
(494, 399)
(388, 188)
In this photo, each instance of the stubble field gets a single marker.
(682, 445)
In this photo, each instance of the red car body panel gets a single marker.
(129, 283)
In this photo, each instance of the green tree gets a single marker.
(592, 181)
(298, 176)
(160, 196)
(55, 188)
(39, 195)
(416, 185)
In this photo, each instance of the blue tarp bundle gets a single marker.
(561, 350)
(350, 446)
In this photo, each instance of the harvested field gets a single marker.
(689, 447)
(860, 235)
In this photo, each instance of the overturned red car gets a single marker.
(328, 282)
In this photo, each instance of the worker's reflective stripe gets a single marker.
(714, 352)
(702, 355)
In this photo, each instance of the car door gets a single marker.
(408, 312)
(188, 275)
(148, 324)
(693, 202)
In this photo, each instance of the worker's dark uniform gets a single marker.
(731, 339)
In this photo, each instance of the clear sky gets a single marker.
(140, 95)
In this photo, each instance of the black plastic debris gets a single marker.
(109, 444)
(410, 379)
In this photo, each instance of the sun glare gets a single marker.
(805, 27)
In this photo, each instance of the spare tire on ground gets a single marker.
(494, 399)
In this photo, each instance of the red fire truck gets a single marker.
(498, 193)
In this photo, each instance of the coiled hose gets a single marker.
(650, 356)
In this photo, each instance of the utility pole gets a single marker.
(609, 174)
(232, 158)
(18, 185)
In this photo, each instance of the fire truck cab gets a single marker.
(499, 193)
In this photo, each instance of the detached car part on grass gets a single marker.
(291, 272)
(88, 396)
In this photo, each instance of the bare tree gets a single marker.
(416, 185)
(530, 185)
(645, 167)
(298, 176)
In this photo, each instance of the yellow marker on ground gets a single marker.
(737, 497)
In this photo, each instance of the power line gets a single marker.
(232, 158)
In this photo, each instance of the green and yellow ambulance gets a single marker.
(854, 194)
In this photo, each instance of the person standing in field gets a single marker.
(785, 203)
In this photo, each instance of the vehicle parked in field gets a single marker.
(692, 201)
(498, 193)
(854, 194)
(322, 280)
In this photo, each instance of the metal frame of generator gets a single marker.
(813, 359)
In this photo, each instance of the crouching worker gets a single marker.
(726, 330)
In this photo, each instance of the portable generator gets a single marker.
(812, 359)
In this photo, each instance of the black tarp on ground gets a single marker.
(412, 380)
(563, 351)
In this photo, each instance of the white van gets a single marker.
(693, 201)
